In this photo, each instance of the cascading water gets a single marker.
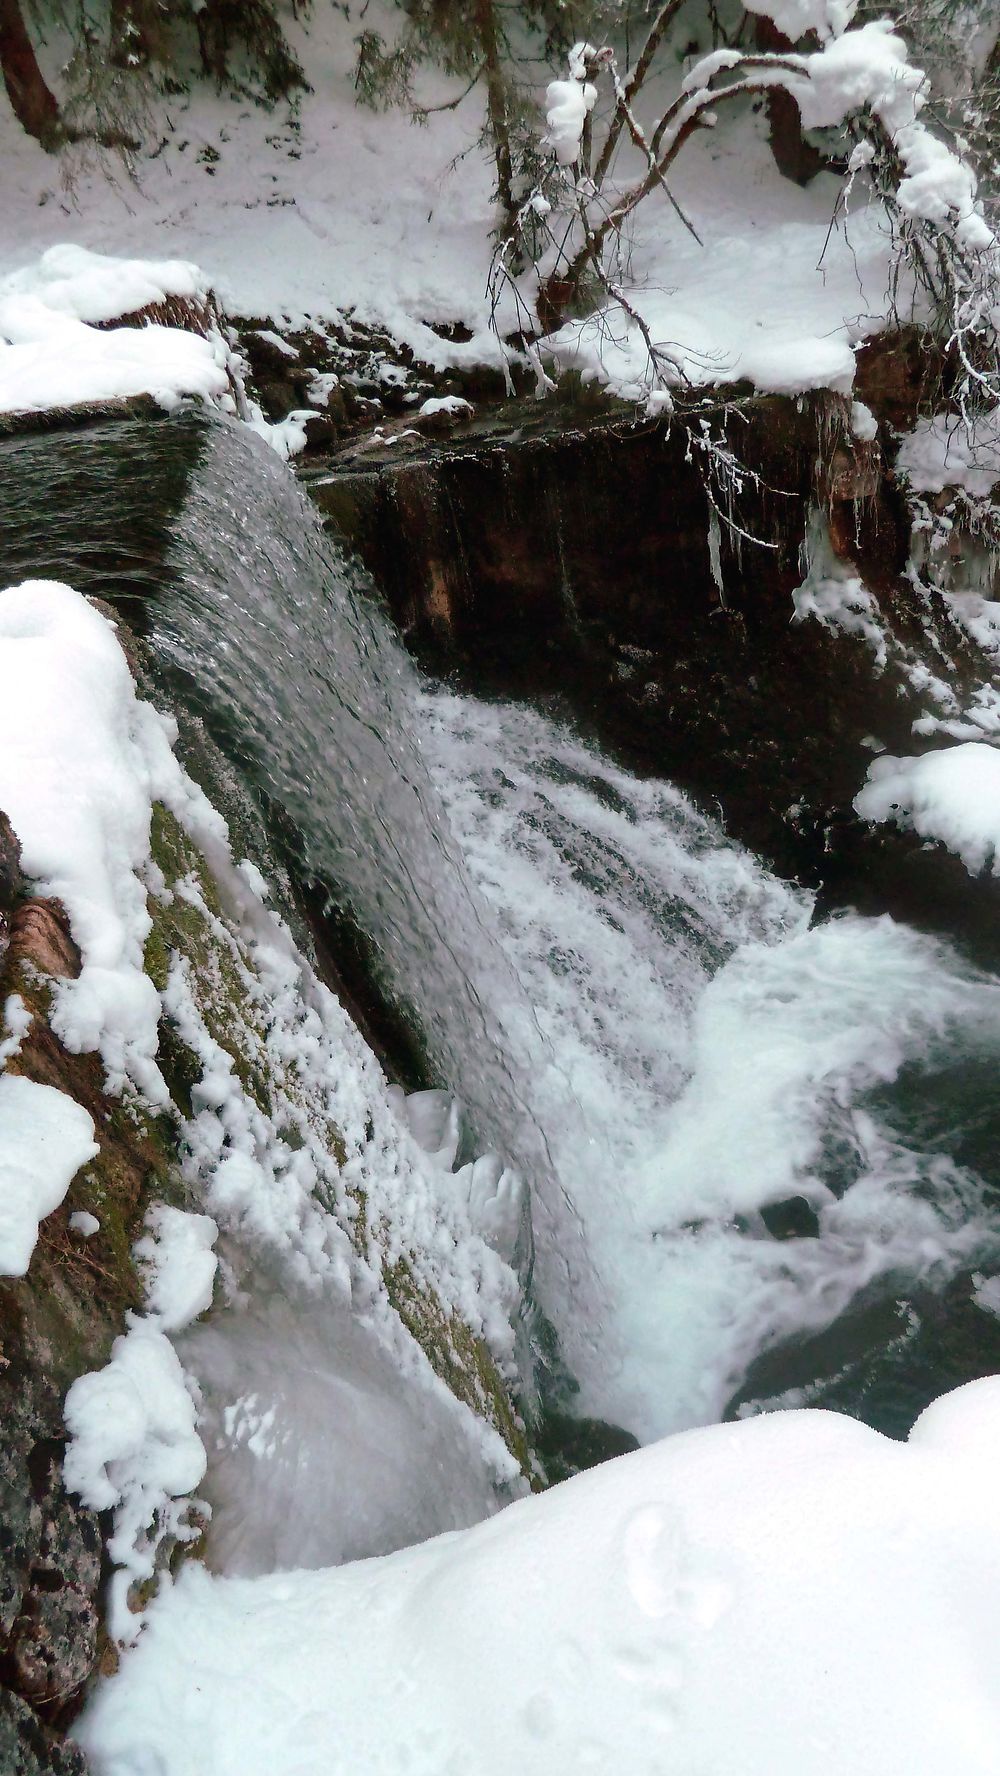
(629, 1006)
(278, 643)
(740, 1132)
(712, 1074)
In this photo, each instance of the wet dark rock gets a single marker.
(53, 1638)
(11, 880)
(319, 430)
(40, 936)
(80, 415)
(795, 1218)
(571, 560)
(568, 1445)
(884, 1360)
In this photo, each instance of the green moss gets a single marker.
(222, 996)
(463, 1361)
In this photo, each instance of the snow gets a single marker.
(81, 760)
(44, 1140)
(16, 1022)
(179, 1263)
(134, 1449)
(986, 1293)
(94, 287)
(568, 104)
(793, 1592)
(864, 425)
(834, 596)
(308, 212)
(828, 18)
(332, 212)
(948, 451)
(83, 1223)
(952, 795)
(52, 355)
(313, 1193)
(453, 404)
(716, 339)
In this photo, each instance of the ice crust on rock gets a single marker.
(781, 1594)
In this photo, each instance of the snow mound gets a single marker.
(952, 795)
(782, 1594)
(946, 451)
(96, 287)
(53, 353)
(44, 1140)
(81, 761)
(177, 1257)
(134, 1448)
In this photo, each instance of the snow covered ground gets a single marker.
(336, 210)
(790, 1596)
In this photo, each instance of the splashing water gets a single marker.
(698, 1056)
(632, 1010)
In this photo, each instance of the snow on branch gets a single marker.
(859, 80)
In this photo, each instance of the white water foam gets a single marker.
(694, 1054)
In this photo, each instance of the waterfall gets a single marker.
(738, 1103)
(278, 641)
(762, 1151)
(699, 1085)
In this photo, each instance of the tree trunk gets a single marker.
(496, 105)
(794, 156)
(32, 103)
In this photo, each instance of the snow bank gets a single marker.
(946, 452)
(96, 287)
(52, 356)
(134, 1449)
(44, 1140)
(81, 761)
(952, 795)
(794, 1592)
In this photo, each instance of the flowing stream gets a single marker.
(721, 1110)
(763, 1155)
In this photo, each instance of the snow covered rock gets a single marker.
(58, 349)
(44, 1140)
(952, 795)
